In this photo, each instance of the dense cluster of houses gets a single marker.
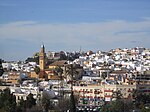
(124, 70)
(99, 75)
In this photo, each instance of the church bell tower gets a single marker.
(42, 58)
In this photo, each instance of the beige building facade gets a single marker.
(104, 91)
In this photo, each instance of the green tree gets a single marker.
(104, 75)
(45, 104)
(118, 104)
(73, 105)
(32, 59)
(7, 101)
(116, 95)
(140, 99)
(62, 56)
(71, 71)
(145, 109)
(21, 105)
(37, 70)
(59, 71)
(1, 68)
(30, 102)
(115, 106)
(63, 105)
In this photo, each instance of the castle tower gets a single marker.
(42, 58)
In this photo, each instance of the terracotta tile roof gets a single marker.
(54, 77)
(119, 72)
(42, 74)
(59, 63)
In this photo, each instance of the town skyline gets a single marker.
(67, 25)
(98, 81)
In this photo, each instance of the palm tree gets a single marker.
(71, 72)
(59, 71)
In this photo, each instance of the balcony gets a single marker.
(129, 90)
(108, 90)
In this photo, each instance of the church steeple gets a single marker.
(42, 49)
(42, 57)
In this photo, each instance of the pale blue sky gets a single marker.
(68, 24)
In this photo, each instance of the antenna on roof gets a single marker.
(80, 49)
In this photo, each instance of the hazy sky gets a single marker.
(68, 24)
